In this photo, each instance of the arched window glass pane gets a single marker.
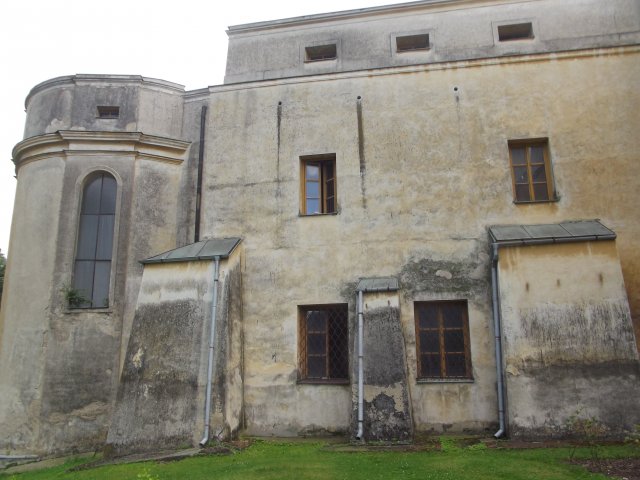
(108, 197)
(92, 270)
(91, 196)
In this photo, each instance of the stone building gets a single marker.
(411, 218)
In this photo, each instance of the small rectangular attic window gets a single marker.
(108, 111)
(408, 43)
(515, 31)
(321, 52)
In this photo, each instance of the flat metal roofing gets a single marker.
(203, 250)
(377, 284)
(342, 14)
(570, 231)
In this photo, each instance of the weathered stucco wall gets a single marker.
(422, 165)
(227, 405)
(365, 39)
(435, 173)
(161, 394)
(70, 103)
(457, 271)
(26, 296)
(158, 396)
(66, 362)
(386, 403)
(568, 338)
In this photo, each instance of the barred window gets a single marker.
(323, 343)
(442, 340)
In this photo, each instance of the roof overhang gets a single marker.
(377, 284)
(207, 249)
(359, 13)
(564, 232)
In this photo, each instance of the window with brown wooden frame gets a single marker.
(531, 171)
(323, 347)
(318, 184)
(442, 340)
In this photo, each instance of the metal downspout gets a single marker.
(360, 433)
(212, 337)
(498, 338)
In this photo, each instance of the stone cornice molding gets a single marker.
(203, 95)
(359, 13)
(85, 79)
(64, 143)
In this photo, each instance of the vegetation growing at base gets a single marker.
(73, 296)
(588, 429)
(266, 460)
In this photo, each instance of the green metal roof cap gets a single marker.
(377, 284)
(204, 250)
(578, 231)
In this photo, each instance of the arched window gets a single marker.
(92, 269)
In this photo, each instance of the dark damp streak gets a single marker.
(203, 119)
(363, 166)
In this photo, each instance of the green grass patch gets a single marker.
(265, 460)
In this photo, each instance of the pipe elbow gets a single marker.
(494, 253)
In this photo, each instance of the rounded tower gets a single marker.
(99, 175)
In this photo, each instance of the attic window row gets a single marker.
(410, 43)
(416, 42)
(321, 52)
(515, 31)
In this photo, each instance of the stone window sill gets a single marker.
(423, 381)
(75, 311)
(324, 382)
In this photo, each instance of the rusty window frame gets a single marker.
(434, 338)
(323, 350)
(321, 199)
(529, 185)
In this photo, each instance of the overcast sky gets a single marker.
(183, 42)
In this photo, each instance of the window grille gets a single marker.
(442, 340)
(323, 343)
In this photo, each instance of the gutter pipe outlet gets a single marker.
(498, 338)
(212, 338)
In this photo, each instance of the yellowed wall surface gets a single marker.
(568, 338)
(436, 175)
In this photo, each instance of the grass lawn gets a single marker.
(265, 460)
